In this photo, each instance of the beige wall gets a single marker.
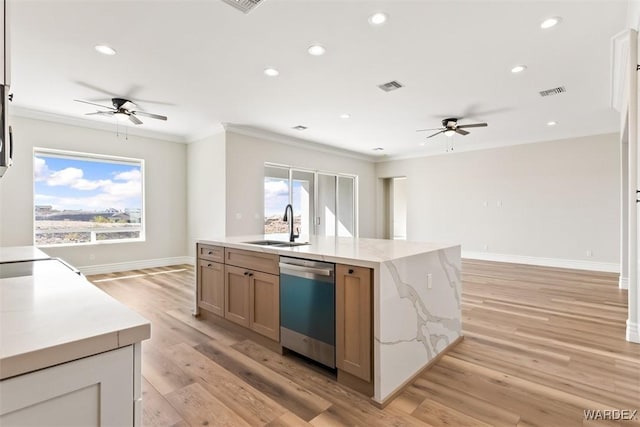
(556, 199)
(165, 184)
(246, 156)
(206, 189)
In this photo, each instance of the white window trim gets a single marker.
(90, 157)
(316, 172)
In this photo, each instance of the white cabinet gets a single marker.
(101, 390)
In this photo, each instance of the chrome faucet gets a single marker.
(287, 209)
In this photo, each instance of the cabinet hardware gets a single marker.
(210, 253)
(250, 274)
(350, 271)
(246, 273)
(208, 265)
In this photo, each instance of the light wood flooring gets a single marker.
(541, 346)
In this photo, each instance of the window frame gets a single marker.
(316, 172)
(99, 158)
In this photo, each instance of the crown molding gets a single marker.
(205, 133)
(91, 124)
(487, 146)
(293, 141)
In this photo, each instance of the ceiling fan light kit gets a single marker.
(123, 108)
(450, 127)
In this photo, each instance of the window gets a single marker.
(87, 199)
(323, 203)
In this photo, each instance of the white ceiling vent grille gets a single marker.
(245, 6)
(555, 91)
(390, 86)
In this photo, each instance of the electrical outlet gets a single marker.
(238, 215)
(499, 203)
(485, 204)
(485, 247)
(92, 257)
(429, 281)
(589, 253)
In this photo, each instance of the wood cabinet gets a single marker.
(211, 290)
(241, 286)
(264, 298)
(210, 287)
(237, 288)
(354, 321)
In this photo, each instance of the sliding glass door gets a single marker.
(323, 203)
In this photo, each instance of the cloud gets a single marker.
(132, 175)
(273, 189)
(40, 169)
(65, 177)
(118, 193)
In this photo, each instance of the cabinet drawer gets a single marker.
(258, 261)
(211, 253)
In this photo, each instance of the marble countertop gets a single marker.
(355, 250)
(50, 315)
(21, 253)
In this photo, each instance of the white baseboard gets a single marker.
(89, 270)
(633, 333)
(546, 262)
(623, 283)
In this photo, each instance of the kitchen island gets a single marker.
(69, 353)
(415, 297)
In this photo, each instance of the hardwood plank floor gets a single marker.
(542, 345)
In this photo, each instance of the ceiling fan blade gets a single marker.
(437, 133)
(474, 125)
(101, 113)
(461, 131)
(423, 130)
(153, 116)
(135, 120)
(94, 104)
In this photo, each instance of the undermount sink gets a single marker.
(276, 243)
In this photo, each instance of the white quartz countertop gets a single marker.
(50, 315)
(355, 250)
(21, 253)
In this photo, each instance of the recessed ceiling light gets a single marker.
(299, 127)
(316, 50)
(550, 22)
(518, 69)
(552, 123)
(105, 50)
(271, 72)
(345, 116)
(378, 149)
(378, 18)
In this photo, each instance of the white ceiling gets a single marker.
(205, 59)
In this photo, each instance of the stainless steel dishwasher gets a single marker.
(307, 309)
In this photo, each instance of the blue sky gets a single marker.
(89, 185)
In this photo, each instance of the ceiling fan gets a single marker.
(123, 107)
(450, 127)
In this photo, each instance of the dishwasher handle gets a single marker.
(303, 269)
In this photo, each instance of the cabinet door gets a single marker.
(211, 286)
(93, 391)
(237, 288)
(353, 320)
(265, 305)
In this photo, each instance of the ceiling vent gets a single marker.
(555, 91)
(245, 6)
(390, 86)
(299, 127)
